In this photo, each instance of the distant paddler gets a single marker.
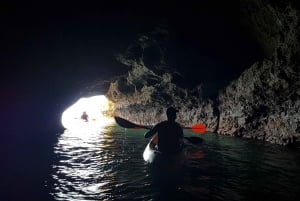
(84, 116)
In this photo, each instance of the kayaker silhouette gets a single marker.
(84, 116)
(170, 133)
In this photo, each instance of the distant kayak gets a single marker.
(154, 157)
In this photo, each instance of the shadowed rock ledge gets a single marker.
(263, 103)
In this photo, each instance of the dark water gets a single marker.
(108, 165)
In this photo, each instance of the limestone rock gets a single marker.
(264, 102)
(143, 95)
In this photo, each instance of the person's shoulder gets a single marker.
(162, 123)
(159, 124)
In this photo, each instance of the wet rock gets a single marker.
(263, 103)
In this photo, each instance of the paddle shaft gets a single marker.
(127, 124)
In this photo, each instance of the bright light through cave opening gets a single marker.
(98, 108)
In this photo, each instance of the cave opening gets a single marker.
(88, 113)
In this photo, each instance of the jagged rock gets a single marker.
(264, 102)
(144, 94)
(262, 105)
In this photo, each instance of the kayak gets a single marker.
(152, 156)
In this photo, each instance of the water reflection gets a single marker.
(107, 164)
(84, 167)
(102, 164)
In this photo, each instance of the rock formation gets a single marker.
(144, 94)
(263, 103)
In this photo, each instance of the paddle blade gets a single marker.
(199, 128)
(125, 123)
(194, 140)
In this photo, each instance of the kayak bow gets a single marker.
(152, 156)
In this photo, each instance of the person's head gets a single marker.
(171, 113)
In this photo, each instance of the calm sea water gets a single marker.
(107, 164)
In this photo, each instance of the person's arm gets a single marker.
(152, 131)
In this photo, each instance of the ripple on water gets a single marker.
(108, 165)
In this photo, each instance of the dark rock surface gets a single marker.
(144, 94)
(263, 103)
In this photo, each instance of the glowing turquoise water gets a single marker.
(108, 165)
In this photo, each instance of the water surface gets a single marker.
(107, 164)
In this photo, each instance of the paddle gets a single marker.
(199, 128)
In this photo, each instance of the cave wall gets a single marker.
(263, 103)
(143, 95)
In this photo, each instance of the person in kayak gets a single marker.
(170, 133)
(84, 116)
